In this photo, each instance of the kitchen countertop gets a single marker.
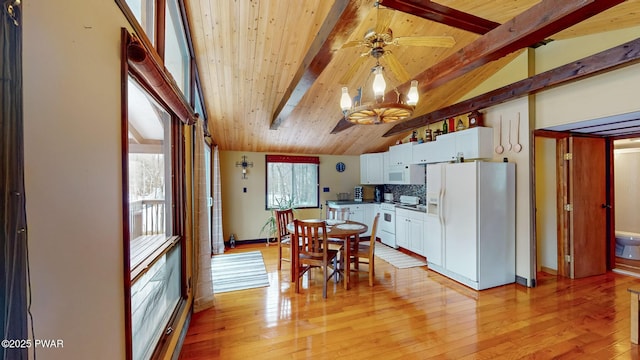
(419, 208)
(351, 202)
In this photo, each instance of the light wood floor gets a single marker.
(416, 314)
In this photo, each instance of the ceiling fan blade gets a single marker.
(353, 69)
(435, 41)
(353, 43)
(383, 19)
(396, 67)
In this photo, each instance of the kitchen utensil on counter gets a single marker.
(343, 196)
(388, 197)
(377, 193)
(517, 147)
(500, 148)
(357, 193)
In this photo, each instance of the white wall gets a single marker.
(71, 60)
(603, 95)
(546, 190)
(243, 214)
(626, 164)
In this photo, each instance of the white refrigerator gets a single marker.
(470, 223)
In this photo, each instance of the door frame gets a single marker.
(563, 268)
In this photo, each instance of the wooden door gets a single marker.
(582, 221)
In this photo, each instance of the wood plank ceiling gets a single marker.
(261, 58)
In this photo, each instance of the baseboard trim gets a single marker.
(549, 271)
(248, 241)
(521, 281)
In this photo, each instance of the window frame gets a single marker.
(178, 192)
(292, 159)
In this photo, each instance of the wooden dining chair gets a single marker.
(313, 252)
(366, 250)
(338, 213)
(283, 217)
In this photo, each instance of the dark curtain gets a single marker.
(13, 253)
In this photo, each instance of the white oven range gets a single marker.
(387, 232)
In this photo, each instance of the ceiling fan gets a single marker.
(377, 39)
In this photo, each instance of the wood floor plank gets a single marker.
(415, 314)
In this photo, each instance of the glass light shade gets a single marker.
(379, 85)
(345, 100)
(412, 95)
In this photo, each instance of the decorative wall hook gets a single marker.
(244, 164)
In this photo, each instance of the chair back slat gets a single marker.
(283, 217)
(312, 237)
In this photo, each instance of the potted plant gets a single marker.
(270, 227)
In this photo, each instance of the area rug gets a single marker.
(397, 258)
(232, 272)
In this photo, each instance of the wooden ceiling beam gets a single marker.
(343, 18)
(608, 60)
(530, 27)
(442, 14)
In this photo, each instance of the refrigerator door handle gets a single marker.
(441, 207)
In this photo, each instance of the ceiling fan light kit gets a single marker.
(378, 110)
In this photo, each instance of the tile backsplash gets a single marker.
(411, 190)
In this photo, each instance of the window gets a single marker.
(149, 163)
(155, 253)
(145, 13)
(176, 53)
(292, 180)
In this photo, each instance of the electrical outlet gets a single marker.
(326, 189)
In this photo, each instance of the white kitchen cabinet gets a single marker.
(422, 152)
(474, 143)
(401, 154)
(443, 149)
(402, 230)
(410, 230)
(362, 213)
(371, 169)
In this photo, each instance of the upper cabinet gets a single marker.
(372, 169)
(441, 150)
(401, 154)
(473, 143)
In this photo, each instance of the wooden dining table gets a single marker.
(349, 231)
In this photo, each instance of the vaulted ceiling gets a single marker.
(270, 70)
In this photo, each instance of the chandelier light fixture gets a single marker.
(371, 107)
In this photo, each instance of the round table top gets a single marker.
(341, 228)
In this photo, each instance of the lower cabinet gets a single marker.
(360, 212)
(410, 230)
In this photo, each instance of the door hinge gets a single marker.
(568, 258)
(568, 207)
(568, 156)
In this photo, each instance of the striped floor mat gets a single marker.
(231, 272)
(396, 258)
